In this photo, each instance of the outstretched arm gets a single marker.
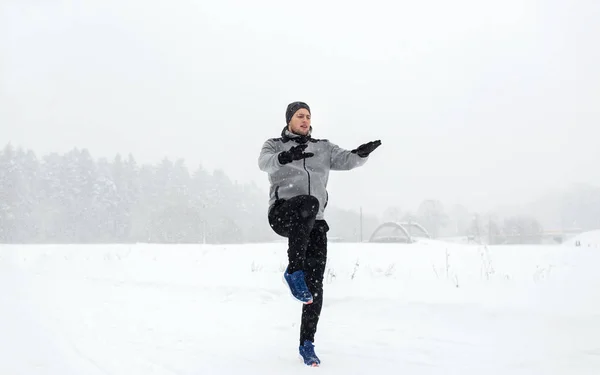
(344, 160)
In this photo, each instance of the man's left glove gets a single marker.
(365, 149)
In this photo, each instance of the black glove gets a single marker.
(365, 149)
(294, 153)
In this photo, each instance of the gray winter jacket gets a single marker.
(307, 176)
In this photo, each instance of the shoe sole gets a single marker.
(290, 292)
(314, 364)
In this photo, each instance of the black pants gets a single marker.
(294, 218)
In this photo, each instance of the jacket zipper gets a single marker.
(308, 176)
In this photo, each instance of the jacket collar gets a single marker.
(289, 136)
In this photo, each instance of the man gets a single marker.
(298, 167)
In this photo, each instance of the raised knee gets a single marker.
(310, 208)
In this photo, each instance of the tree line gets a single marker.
(74, 198)
(569, 211)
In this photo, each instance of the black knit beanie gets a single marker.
(293, 108)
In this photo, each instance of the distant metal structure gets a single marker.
(399, 232)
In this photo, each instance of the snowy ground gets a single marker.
(430, 308)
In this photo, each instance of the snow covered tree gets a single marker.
(10, 199)
(431, 216)
(522, 229)
(459, 220)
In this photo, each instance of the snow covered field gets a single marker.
(428, 308)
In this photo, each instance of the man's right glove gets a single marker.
(294, 153)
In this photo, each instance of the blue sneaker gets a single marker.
(307, 352)
(295, 281)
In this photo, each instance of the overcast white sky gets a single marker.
(476, 102)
